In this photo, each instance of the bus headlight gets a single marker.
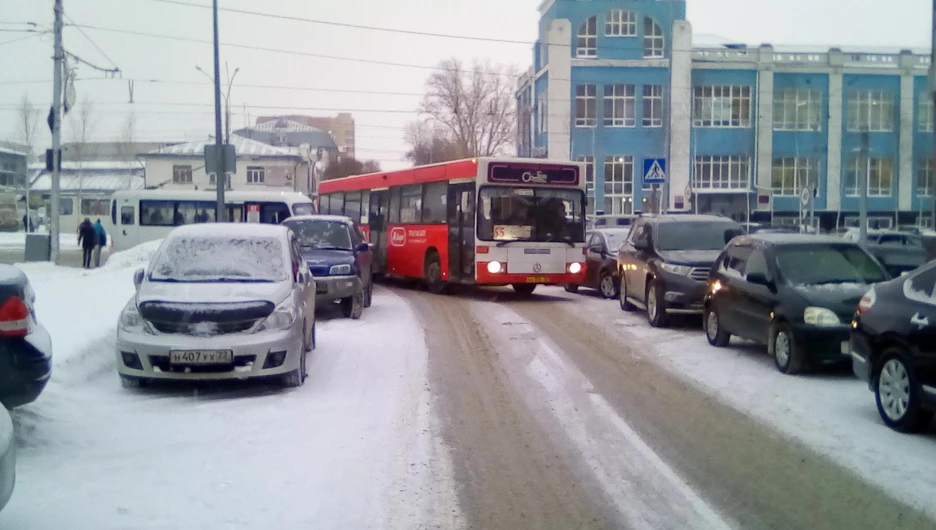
(495, 267)
(575, 268)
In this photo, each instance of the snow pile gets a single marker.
(133, 258)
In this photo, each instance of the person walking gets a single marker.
(101, 242)
(87, 240)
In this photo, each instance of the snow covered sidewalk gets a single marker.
(17, 240)
(356, 447)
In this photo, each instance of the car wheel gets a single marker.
(898, 395)
(571, 288)
(787, 354)
(369, 293)
(432, 274)
(313, 335)
(622, 297)
(714, 332)
(656, 313)
(525, 289)
(132, 382)
(607, 287)
(353, 306)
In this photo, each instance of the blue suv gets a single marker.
(339, 259)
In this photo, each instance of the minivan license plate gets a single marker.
(201, 357)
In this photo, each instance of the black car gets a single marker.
(25, 345)
(893, 348)
(899, 251)
(601, 261)
(794, 292)
(340, 260)
(665, 261)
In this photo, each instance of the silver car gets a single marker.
(7, 457)
(220, 301)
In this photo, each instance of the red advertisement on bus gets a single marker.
(484, 221)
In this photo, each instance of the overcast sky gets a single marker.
(177, 106)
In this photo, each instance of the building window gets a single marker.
(587, 43)
(791, 174)
(721, 173)
(721, 106)
(653, 39)
(586, 104)
(542, 112)
(619, 185)
(66, 206)
(181, 174)
(925, 113)
(871, 111)
(589, 181)
(653, 105)
(95, 206)
(621, 23)
(797, 109)
(926, 186)
(878, 171)
(212, 180)
(620, 106)
(255, 174)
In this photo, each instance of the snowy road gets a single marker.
(474, 410)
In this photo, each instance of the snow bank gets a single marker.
(133, 258)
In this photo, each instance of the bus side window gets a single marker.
(411, 204)
(156, 213)
(126, 215)
(273, 213)
(324, 200)
(336, 205)
(365, 207)
(235, 213)
(433, 204)
(352, 205)
(393, 216)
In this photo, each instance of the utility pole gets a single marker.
(221, 175)
(863, 188)
(932, 87)
(59, 61)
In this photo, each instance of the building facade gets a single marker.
(769, 133)
(340, 127)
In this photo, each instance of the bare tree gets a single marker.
(83, 123)
(430, 143)
(346, 166)
(26, 131)
(476, 106)
(125, 146)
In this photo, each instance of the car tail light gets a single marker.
(15, 319)
(483, 249)
(867, 301)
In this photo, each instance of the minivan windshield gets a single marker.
(531, 214)
(828, 264)
(695, 236)
(324, 235)
(220, 259)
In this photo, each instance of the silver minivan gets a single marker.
(220, 301)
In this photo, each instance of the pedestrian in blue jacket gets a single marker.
(101, 242)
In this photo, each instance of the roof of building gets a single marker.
(89, 181)
(11, 151)
(242, 146)
(284, 125)
(92, 165)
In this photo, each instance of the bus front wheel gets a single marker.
(524, 289)
(432, 273)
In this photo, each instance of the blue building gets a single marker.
(769, 131)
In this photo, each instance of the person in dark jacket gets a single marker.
(87, 239)
(101, 242)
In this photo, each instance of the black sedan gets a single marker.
(893, 348)
(795, 293)
(601, 261)
(25, 345)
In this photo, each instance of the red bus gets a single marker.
(483, 221)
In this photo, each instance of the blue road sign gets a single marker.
(654, 170)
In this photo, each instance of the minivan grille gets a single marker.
(699, 273)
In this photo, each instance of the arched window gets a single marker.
(587, 42)
(653, 39)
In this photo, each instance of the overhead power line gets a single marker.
(98, 48)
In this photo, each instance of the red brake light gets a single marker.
(867, 301)
(483, 249)
(15, 319)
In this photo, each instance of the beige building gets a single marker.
(340, 127)
(259, 166)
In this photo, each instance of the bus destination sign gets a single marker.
(533, 174)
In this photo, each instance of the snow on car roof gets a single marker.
(232, 230)
(320, 217)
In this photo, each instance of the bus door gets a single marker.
(461, 220)
(125, 217)
(377, 222)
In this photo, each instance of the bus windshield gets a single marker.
(531, 214)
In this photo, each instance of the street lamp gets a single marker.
(227, 98)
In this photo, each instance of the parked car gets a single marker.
(795, 293)
(220, 301)
(339, 258)
(601, 261)
(25, 345)
(664, 263)
(7, 457)
(893, 348)
(899, 252)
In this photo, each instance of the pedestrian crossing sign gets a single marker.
(654, 170)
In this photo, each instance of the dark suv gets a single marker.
(665, 261)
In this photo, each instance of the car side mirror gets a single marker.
(758, 278)
(362, 247)
(138, 277)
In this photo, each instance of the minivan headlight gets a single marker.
(282, 318)
(132, 321)
(681, 270)
(820, 316)
(337, 270)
